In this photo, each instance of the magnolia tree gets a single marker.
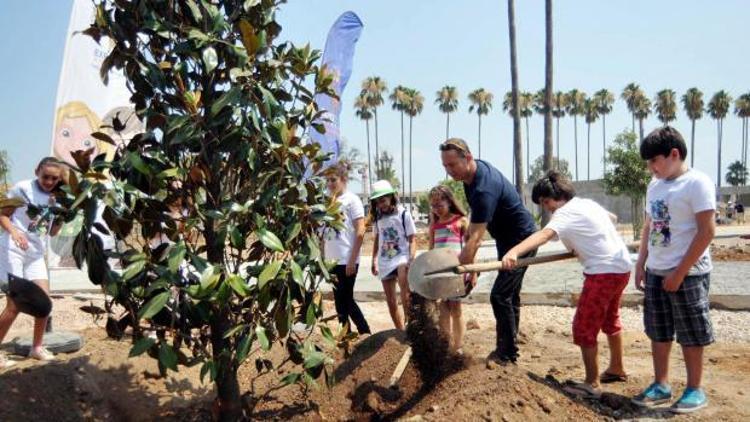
(218, 204)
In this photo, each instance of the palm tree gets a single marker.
(718, 108)
(481, 101)
(665, 106)
(364, 113)
(642, 111)
(414, 105)
(604, 101)
(548, 89)
(374, 87)
(692, 102)
(447, 101)
(4, 169)
(591, 113)
(631, 92)
(559, 104)
(576, 100)
(517, 143)
(398, 102)
(526, 106)
(742, 109)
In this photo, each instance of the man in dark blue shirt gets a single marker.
(497, 208)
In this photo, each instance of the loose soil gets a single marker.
(99, 382)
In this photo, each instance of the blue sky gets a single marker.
(428, 44)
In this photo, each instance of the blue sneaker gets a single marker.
(655, 394)
(692, 399)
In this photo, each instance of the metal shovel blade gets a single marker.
(443, 285)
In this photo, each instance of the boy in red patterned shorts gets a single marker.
(586, 228)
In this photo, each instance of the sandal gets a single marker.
(609, 378)
(582, 390)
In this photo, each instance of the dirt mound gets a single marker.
(730, 252)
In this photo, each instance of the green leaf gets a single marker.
(314, 358)
(141, 346)
(176, 256)
(137, 162)
(232, 331)
(195, 10)
(244, 347)
(237, 283)
(294, 232)
(290, 379)
(269, 272)
(311, 315)
(297, 274)
(270, 240)
(168, 357)
(209, 278)
(225, 99)
(236, 238)
(154, 305)
(312, 245)
(260, 332)
(133, 270)
(210, 59)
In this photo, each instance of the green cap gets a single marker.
(381, 188)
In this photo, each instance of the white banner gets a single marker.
(84, 104)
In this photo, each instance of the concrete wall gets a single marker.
(594, 190)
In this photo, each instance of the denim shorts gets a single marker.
(683, 313)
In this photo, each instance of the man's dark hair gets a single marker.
(553, 185)
(661, 142)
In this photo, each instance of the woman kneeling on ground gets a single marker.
(586, 228)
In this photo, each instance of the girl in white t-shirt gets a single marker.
(23, 244)
(344, 246)
(586, 228)
(394, 247)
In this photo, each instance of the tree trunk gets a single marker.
(517, 142)
(557, 135)
(575, 142)
(718, 168)
(640, 125)
(692, 144)
(479, 136)
(369, 154)
(447, 125)
(227, 386)
(403, 162)
(588, 153)
(604, 144)
(548, 72)
(411, 192)
(528, 150)
(633, 115)
(636, 209)
(377, 143)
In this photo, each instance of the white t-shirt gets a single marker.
(393, 231)
(672, 205)
(338, 245)
(35, 230)
(585, 227)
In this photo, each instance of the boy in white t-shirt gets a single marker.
(585, 227)
(675, 265)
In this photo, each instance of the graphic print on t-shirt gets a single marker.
(660, 234)
(390, 247)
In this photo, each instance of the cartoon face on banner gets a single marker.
(74, 123)
(127, 118)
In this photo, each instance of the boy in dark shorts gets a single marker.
(674, 266)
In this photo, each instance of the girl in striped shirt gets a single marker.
(447, 229)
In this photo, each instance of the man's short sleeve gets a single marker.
(483, 206)
(409, 223)
(702, 195)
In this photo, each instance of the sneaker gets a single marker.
(655, 394)
(41, 354)
(692, 399)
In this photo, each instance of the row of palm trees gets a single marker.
(574, 103)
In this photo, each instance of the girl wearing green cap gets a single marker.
(394, 247)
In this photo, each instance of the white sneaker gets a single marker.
(42, 354)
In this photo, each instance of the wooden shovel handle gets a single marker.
(523, 262)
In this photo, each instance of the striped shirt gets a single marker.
(448, 234)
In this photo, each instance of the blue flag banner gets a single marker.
(338, 56)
